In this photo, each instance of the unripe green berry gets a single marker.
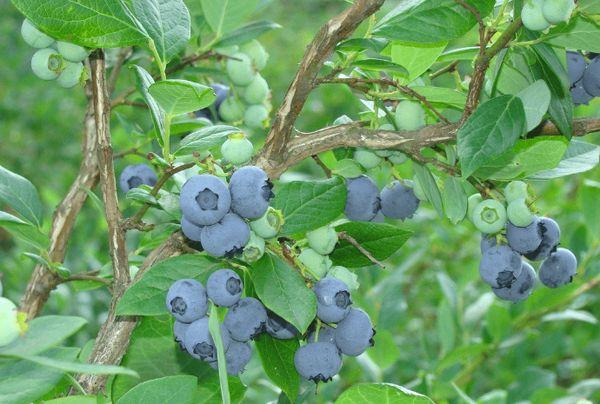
(344, 275)
(397, 158)
(519, 214)
(34, 37)
(489, 216)
(269, 225)
(409, 116)
(533, 15)
(472, 203)
(254, 249)
(239, 69)
(557, 11)
(9, 323)
(322, 240)
(317, 264)
(256, 116)
(257, 91)
(46, 64)
(383, 153)
(72, 52)
(257, 53)
(515, 190)
(71, 75)
(237, 149)
(231, 110)
(366, 158)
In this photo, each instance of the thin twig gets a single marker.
(345, 236)
(446, 69)
(324, 167)
(480, 23)
(91, 276)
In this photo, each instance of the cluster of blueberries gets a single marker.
(250, 102)
(348, 330)
(55, 60)
(539, 15)
(584, 76)
(215, 213)
(525, 235)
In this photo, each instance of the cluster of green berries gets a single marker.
(250, 102)
(539, 15)
(512, 233)
(55, 60)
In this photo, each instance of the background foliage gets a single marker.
(440, 331)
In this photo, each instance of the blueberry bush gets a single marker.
(403, 210)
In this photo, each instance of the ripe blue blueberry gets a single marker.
(487, 242)
(186, 300)
(318, 361)
(224, 287)
(179, 330)
(591, 78)
(251, 192)
(576, 65)
(190, 230)
(362, 200)
(500, 266)
(579, 95)
(379, 217)
(200, 344)
(237, 357)
(521, 288)
(135, 175)
(355, 333)
(279, 328)
(558, 269)
(204, 199)
(246, 319)
(226, 238)
(398, 201)
(333, 300)
(550, 238)
(524, 240)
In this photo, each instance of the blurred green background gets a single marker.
(429, 304)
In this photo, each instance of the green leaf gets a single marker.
(90, 23)
(167, 22)
(552, 71)
(536, 100)
(143, 83)
(308, 205)
(528, 157)
(205, 138)
(455, 199)
(347, 168)
(493, 129)
(153, 354)
(431, 20)
(246, 33)
(282, 290)
(430, 188)
(141, 195)
(147, 296)
(23, 381)
(277, 357)
(20, 194)
(362, 44)
(571, 315)
(417, 58)
(215, 333)
(78, 367)
(498, 322)
(579, 157)
(381, 393)
(446, 326)
(590, 195)
(225, 15)
(170, 389)
(467, 53)
(178, 97)
(73, 400)
(43, 333)
(24, 231)
(380, 239)
(579, 33)
(380, 64)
